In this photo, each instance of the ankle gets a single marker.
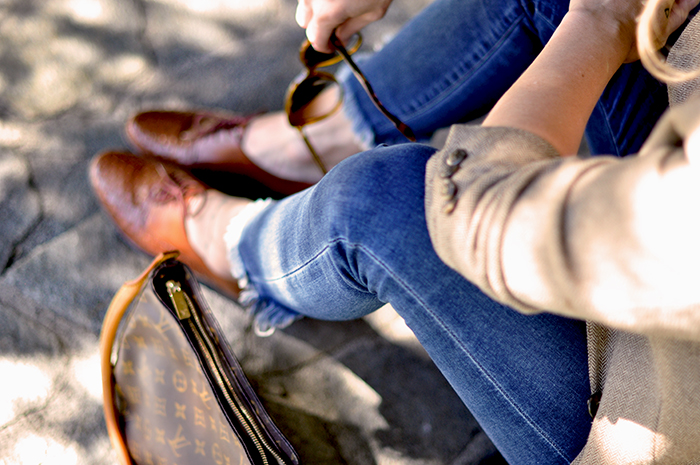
(286, 155)
(206, 229)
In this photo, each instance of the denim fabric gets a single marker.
(358, 239)
(454, 60)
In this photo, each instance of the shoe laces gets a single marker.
(177, 186)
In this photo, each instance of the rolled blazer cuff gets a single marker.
(609, 240)
(467, 203)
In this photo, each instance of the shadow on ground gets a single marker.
(71, 72)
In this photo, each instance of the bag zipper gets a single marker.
(185, 311)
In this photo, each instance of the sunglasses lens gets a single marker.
(314, 59)
(303, 106)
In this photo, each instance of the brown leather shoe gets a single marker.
(202, 140)
(149, 199)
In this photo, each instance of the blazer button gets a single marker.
(594, 403)
(449, 206)
(451, 164)
(449, 189)
(447, 170)
(456, 157)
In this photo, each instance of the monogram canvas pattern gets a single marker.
(171, 416)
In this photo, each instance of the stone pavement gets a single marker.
(71, 72)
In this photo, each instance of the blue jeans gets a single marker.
(358, 239)
(454, 60)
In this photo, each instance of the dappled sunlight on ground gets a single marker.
(39, 450)
(23, 385)
(71, 73)
(225, 7)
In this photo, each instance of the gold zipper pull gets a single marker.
(178, 299)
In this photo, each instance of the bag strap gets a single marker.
(120, 303)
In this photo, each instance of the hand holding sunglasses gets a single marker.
(301, 102)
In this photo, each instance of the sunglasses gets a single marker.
(304, 108)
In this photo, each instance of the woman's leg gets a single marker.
(453, 61)
(626, 113)
(359, 239)
(629, 108)
(450, 64)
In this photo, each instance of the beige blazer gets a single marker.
(615, 242)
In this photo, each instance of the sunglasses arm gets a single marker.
(402, 127)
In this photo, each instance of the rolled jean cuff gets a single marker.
(267, 315)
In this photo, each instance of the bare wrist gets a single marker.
(614, 35)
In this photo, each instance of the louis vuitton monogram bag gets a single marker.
(173, 391)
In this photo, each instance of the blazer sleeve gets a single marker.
(610, 240)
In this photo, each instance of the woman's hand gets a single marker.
(347, 17)
(675, 17)
(652, 33)
(662, 18)
(668, 15)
